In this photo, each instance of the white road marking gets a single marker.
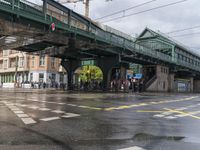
(22, 115)
(170, 117)
(81, 106)
(133, 148)
(28, 120)
(71, 104)
(50, 118)
(167, 113)
(61, 103)
(18, 112)
(182, 108)
(58, 111)
(69, 115)
(192, 106)
(23, 105)
(159, 115)
(33, 107)
(15, 109)
(10, 104)
(44, 109)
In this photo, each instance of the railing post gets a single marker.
(13, 4)
(45, 8)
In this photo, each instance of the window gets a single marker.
(53, 77)
(1, 64)
(31, 76)
(42, 60)
(21, 62)
(61, 77)
(32, 61)
(164, 85)
(161, 69)
(12, 62)
(52, 62)
(41, 77)
(5, 52)
(5, 63)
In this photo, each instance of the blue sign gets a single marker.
(138, 76)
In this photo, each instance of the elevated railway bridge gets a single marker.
(29, 28)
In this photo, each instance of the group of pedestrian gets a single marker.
(117, 85)
(93, 85)
(135, 85)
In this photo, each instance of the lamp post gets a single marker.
(16, 68)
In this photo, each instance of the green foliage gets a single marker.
(91, 73)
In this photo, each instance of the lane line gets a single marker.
(150, 103)
(151, 111)
(183, 113)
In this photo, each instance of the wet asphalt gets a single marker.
(51, 120)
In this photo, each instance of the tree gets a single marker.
(91, 73)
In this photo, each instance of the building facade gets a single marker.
(21, 67)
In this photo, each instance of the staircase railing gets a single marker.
(150, 81)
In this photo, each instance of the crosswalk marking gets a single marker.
(24, 117)
(28, 120)
(18, 112)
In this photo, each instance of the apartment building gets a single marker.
(30, 68)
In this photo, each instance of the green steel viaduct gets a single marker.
(55, 30)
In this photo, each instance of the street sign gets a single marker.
(138, 76)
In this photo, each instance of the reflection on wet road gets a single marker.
(39, 119)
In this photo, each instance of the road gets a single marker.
(49, 119)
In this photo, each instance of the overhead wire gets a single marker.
(122, 11)
(147, 10)
(185, 29)
(189, 34)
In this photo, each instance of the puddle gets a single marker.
(145, 137)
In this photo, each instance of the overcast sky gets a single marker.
(175, 17)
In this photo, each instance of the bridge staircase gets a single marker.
(149, 82)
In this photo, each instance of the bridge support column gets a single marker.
(70, 66)
(106, 64)
(197, 85)
(123, 69)
(191, 84)
(171, 82)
